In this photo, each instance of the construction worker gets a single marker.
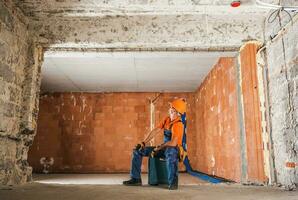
(173, 128)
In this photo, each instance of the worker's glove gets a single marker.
(140, 146)
(155, 151)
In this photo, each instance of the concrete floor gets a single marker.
(107, 186)
(104, 179)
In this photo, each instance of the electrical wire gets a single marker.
(277, 10)
(276, 13)
(261, 4)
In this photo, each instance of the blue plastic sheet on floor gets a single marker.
(200, 175)
(188, 167)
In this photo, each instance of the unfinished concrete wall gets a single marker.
(150, 31)
(218, 143)
(282, 58)
(96, 132)
(19, 86)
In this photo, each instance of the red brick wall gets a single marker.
(95, 132)
(252, 114)
(218, 145)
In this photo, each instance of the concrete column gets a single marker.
(20, 62)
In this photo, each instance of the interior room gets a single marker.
(82, 82)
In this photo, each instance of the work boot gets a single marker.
(174, 185)
(133, 182)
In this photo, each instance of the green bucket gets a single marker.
(157, 171)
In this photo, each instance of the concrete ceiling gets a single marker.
(38, 8)
(126, 71)
(146, 24)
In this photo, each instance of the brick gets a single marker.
(291, 164)
(140, 108)
(120, 128)
(207, 121)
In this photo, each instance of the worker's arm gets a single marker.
(171, 143)
(151, 134)
(154, 132)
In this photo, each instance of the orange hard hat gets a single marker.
(179, 105)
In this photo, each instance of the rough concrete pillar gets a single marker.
(31, 89)
(282, 56)
(20, 62)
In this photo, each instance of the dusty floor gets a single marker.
(106, 186)
(104, 179)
